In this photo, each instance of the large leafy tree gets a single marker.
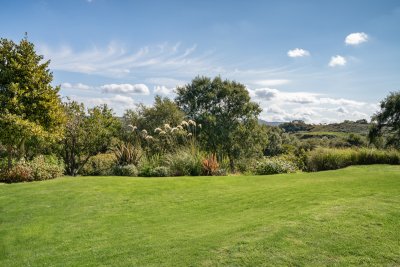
(30, 107)
(386, 122)
(224, 110)
(163, 111)
(86, 134)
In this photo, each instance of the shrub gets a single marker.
(127, 154)
(126, 170)
(101, 164)
(185, 162)
(274, 165)
(246, 165)
(46, 167)
(145, 170)
(19, 172)
(210, 165)
(160, 171)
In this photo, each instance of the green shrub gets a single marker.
(145, 170)
(101, 164)
(127, 154)
(274, 165)
(46, 167)
(39, 168)
(160, 171)
(126, 170)
(185, 162)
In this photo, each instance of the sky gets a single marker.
(319, 61)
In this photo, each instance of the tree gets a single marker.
(163, 111)
(222, 107)
(30, 107)
(386, 122)
(86, 135)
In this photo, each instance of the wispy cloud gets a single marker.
(356, 38)
(117, 61)
(337, 61)
(273, 82)
(125, 88)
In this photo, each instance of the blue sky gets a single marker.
(320, 61)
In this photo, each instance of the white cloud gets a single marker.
(298, 52)
(163, 90)
(356, 38)
(337, 61)
(271, 82)
(79, 86)
(311, 107)
(126, 88)
(268, 94)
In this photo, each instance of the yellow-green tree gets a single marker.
(30, 107)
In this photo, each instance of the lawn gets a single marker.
(343, 217)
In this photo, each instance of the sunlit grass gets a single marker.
(344, 217)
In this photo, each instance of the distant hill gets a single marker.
(270, 123)
(360, 127)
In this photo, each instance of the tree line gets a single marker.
(212, 115)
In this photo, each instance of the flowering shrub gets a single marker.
(274, 166)
(40, 168)
(160, 171)
(19, 172)
(45, 168)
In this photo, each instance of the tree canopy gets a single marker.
(30, 106)
(224, 110)
(387, 121)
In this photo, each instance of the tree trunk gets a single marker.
(9, 156)
(232, 164)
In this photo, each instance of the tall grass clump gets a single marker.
(185, 162)
(330, 159)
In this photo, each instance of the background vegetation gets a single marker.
(210, 128)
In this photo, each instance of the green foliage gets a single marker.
(46, 167)
(30, 106)
(330, 159)
(274, 165)
(386, 122)
(86, 134)
(19, 172)
(99, 165)
(221, 107)
(38, 169)
(295, 126)
(127, 154)
(164, 111)
(356, 140)
(160, 171)
(126, 170)
(184, 162)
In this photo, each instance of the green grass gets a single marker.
(343, 217)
